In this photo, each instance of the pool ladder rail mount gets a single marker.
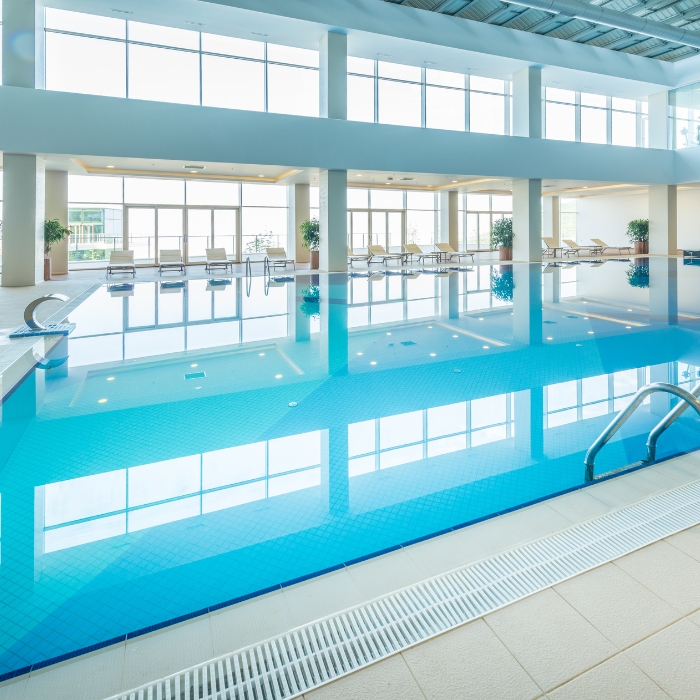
(688, 400)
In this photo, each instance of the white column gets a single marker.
(663, 215)
(333, 76)
(658, 120)
(23, 43)
(527, 220)
(299, 212)
(57, 208)
(333, 196)
(550, 219)
(527, 103)
(23, 220)
(449, 218)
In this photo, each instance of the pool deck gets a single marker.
(630, 628)
(627, 629)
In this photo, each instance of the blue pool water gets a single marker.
(206, 442)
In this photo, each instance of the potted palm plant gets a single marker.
(310, 233)
(502, 238)
(54, 232)
(638, 233)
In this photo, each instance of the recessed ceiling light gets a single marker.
(193, 171)
(261, 176)
(454, 181)
(110, 166)
(358, 175)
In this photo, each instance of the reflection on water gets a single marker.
(204, 442)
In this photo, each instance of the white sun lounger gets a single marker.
(216, 257)
(449, 252)
(171, 260)
(377, 251)
(277, 257)
(121, 261)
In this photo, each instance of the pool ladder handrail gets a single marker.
(688, 399)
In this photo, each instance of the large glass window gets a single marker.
(624, 122)
(93, 54)
(560, 114)
(481, 211)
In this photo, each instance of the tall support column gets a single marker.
(550, 219)
(663, 218)
(57, 208)
(527, 103)
(23, 43)
(527, 304)
(449, 218)
(333, 200)
(663, 290)
(23, 220)
(333, 76)
(299, 211)
(658, 120)
(527, 220)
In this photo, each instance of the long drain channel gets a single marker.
(323, 651)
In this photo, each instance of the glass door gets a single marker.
(358, 231)
(226, 232)
(387, 230)
(378, 231)
(199, 225)
(141, 230)
(170, 230)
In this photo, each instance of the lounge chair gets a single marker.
(216, 257)
(377, 251)
(277, 257)
(551, 247)
(604, 246)
(575, 249)
(171, 260)
(121, 261)
(449, 252)
(357, 256)
(411, 250)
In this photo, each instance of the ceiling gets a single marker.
(677, 13)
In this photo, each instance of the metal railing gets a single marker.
(688, 398)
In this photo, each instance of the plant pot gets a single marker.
(314, 260)
(505, 253)
(47, 269)
(641, 247)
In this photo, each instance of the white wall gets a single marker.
(606, 217)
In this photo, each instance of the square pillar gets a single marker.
(56, 207)
(658, 120)
(23, 43)
(449, 218)
(23, 220)
(333, 76)
(299, 212)
(527, 220)
(333, 200)
(527, 103)
(550, 219)
(663, 217)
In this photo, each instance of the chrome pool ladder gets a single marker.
(688, 399)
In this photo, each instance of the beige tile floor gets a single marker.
(598, 635)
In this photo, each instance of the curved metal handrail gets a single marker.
(622, 417)
(669, 419)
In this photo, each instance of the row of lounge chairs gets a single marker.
(573, 248)
(378, 254)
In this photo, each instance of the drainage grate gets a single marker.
(314, 654)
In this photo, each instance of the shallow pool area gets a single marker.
(210, 440)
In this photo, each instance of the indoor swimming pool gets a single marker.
(206, 441)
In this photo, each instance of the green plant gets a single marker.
(54, 232)
(259, 243)
(502, 285)
(638, 275)
(638, 230)
(310, 233)
(311, 305)
(502, 233)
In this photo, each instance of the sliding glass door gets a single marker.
(151, 229)
(212, 228)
